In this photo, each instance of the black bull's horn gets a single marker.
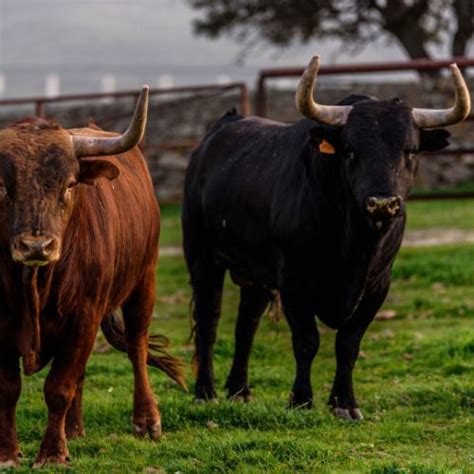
(99, 146)
(336, 115)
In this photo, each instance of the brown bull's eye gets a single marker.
(71, 183)
(68, 192)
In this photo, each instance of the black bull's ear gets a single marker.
(325, 139)
(93, 168)
(434, 140)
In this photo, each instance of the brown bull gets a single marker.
(78, 240)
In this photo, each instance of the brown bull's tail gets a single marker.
(114, 331)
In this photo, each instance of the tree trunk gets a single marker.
(463, 10)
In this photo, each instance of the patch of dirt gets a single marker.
(426, 238)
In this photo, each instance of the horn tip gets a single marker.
(145, 88)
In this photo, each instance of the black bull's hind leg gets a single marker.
(207, 282)
(342, 399)
(253, 301)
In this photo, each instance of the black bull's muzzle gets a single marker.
(382, 209)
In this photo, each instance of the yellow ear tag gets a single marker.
(326, 147)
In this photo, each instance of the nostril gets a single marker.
(394, 205)
(48, 246)
(22, 246)
(371, 204)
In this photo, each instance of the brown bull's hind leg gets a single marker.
(61, 386)
(137, 313)
(10, 387)
(74, 417)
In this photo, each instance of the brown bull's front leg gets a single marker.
(61, 388)
(10, 388)
(74, 417)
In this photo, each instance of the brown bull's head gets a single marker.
(40, 163)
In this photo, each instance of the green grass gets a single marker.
(463, 187)
(170, 225)
(451, 214)
(415, 384)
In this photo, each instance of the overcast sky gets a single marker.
(134, 41)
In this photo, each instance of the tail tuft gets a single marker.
(114, 331)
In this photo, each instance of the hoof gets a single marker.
(154, 431)
(301, 402)
(356, 414)
(139, 431)
(350, 414)
(152, 427)
(237, 398)
(9, 464)
(202, 401)
(58, 460)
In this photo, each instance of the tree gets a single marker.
(414, 23)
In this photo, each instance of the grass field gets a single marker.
(415, 383)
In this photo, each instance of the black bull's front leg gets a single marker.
(342, 399)
(305, 339)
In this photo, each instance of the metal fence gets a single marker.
(39, 104)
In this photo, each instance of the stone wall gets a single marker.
(176, 123)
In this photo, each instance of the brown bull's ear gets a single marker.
(325, 140)
(92, 169)
(434, 140)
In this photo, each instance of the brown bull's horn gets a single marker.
(429, 118)
(329, 114)
(99, 146)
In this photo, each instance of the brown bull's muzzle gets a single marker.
(35, 250)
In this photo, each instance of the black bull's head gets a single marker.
(377, 142)
(40, 163)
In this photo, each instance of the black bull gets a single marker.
(314, 211)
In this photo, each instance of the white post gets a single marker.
(223, 79)
(3, 84)
(165, 81)
(53, 85)
(109, 82)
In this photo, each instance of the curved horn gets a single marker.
(99, 146)
(329, 114)
(429, 118)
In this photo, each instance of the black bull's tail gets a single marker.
(114, 331)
